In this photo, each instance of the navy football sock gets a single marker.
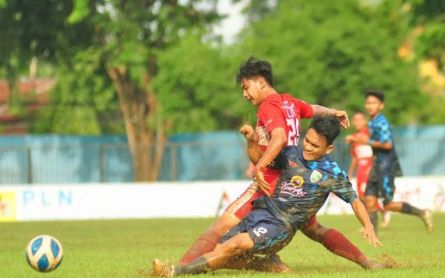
(409, 209)
(197, 266)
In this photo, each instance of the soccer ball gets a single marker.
(44, 253)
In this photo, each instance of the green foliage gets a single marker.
(84, 97)
(196, 86)
(330, 52)
(325, 52)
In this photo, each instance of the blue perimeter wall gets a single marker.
(208, 156)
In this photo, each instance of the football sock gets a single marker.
(197, 266)
(374, 217)
(204, 244)
(409, 209)
(338, 244)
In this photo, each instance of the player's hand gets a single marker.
(247, 131)
(343, 118)
(261, 182)
(349, 139)
(369, 234)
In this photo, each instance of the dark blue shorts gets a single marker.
(381, 181)
(269, 234)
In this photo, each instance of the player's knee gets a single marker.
(370, 202)
(231, 248)
(241, 243)
(226, 222)
(314, 231)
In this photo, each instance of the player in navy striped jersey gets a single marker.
(303, 187)
(385, 164)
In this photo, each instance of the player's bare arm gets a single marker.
(253, 149)
(362, 215)
(373, 143)
(380, 145)
(352, 166)
(324, 111)
(277, 142)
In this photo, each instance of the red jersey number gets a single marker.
(293, 131)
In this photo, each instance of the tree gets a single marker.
(329, 52)
(129, 37)
(39, 31)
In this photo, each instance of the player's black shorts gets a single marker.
(269, 234)
(381, 181)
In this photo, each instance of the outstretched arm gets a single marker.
(362, 215)
(324, 111)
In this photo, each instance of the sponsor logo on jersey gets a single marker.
(297, 181)
(315, 176)
(289, 188)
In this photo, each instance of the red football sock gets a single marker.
(338, 244)
(204, 244)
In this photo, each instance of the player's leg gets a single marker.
(207, 241)
(258, 232)
(371, 195)
(269, 263)
(361, 185)
(215, 259)
(337, 243)
(403, 207)
(362, 179)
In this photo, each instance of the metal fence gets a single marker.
(111, 163)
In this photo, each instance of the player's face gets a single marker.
(315, 146)
(359, 121)
(373, 105)
(252, 91)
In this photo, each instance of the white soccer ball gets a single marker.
(44, 253)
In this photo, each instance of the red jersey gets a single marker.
(362, 152)
(277, 110)
(281, 110)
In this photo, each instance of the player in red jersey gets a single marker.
(277, 128)
(361, 154)
(361, 160)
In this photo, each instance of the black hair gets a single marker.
(359, 112)
(327, 126)
(378, 94)
(254, 68)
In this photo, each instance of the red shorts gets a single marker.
(362, 180)
(244, 203)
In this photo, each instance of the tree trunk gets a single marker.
(138, 106)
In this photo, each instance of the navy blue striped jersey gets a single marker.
(303, 188)
(381, 131)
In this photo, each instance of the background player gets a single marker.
(385, 164)
(277, 128)
(361, 159)
(302, 190)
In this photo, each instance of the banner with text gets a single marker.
(149, 200)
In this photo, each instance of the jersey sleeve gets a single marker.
(271, 116)
(306, 110)
(338, 183)
(385, 133)
(342, 187)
